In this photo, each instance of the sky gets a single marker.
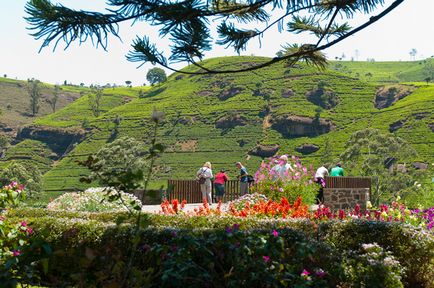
(409, 26)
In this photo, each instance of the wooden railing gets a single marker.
(348, 182)
(190, 190)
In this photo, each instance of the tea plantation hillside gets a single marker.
(52, 137)
(236, 117)
(245, 117)
(387, 72)
(15, 102)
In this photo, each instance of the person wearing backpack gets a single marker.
(204, 176)
(243, 177)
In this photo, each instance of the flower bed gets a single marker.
(257, 205)
(294, 183)
(254, 241)
(91, 249)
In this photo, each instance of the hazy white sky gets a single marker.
(409, 26)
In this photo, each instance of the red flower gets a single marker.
(16, 253)
(175, 205)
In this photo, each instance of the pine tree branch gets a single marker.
(371, 20)
(187, 23)
(328, 27)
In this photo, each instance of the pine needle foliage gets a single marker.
(189, 24)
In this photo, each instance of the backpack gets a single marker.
(201, 178)
(250, 179)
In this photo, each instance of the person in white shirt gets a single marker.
(282, 169)
(320, 174)
(205, 187)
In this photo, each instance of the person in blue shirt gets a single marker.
(244, 181)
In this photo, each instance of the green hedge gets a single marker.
(91, 250)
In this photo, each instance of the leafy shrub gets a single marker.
(11, 195)
(119, 164)
(14, 238)
(412, 246)
(223, 258)
(419, 195)
(28, 175)
(90, 249)
(374, 267)
(95, 200)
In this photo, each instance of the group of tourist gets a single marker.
(205, 177)
(281, 170)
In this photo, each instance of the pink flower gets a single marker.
(305, 273)
(280, 189)
(16, 253)
(24, 224)
(29, 231)
(275, 233)
(266, 258)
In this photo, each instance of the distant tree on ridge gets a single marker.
(156, 75)
(53, 100)
(35, 95)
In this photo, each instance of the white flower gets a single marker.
(369, 246)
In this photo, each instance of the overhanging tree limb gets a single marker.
(187, 22)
